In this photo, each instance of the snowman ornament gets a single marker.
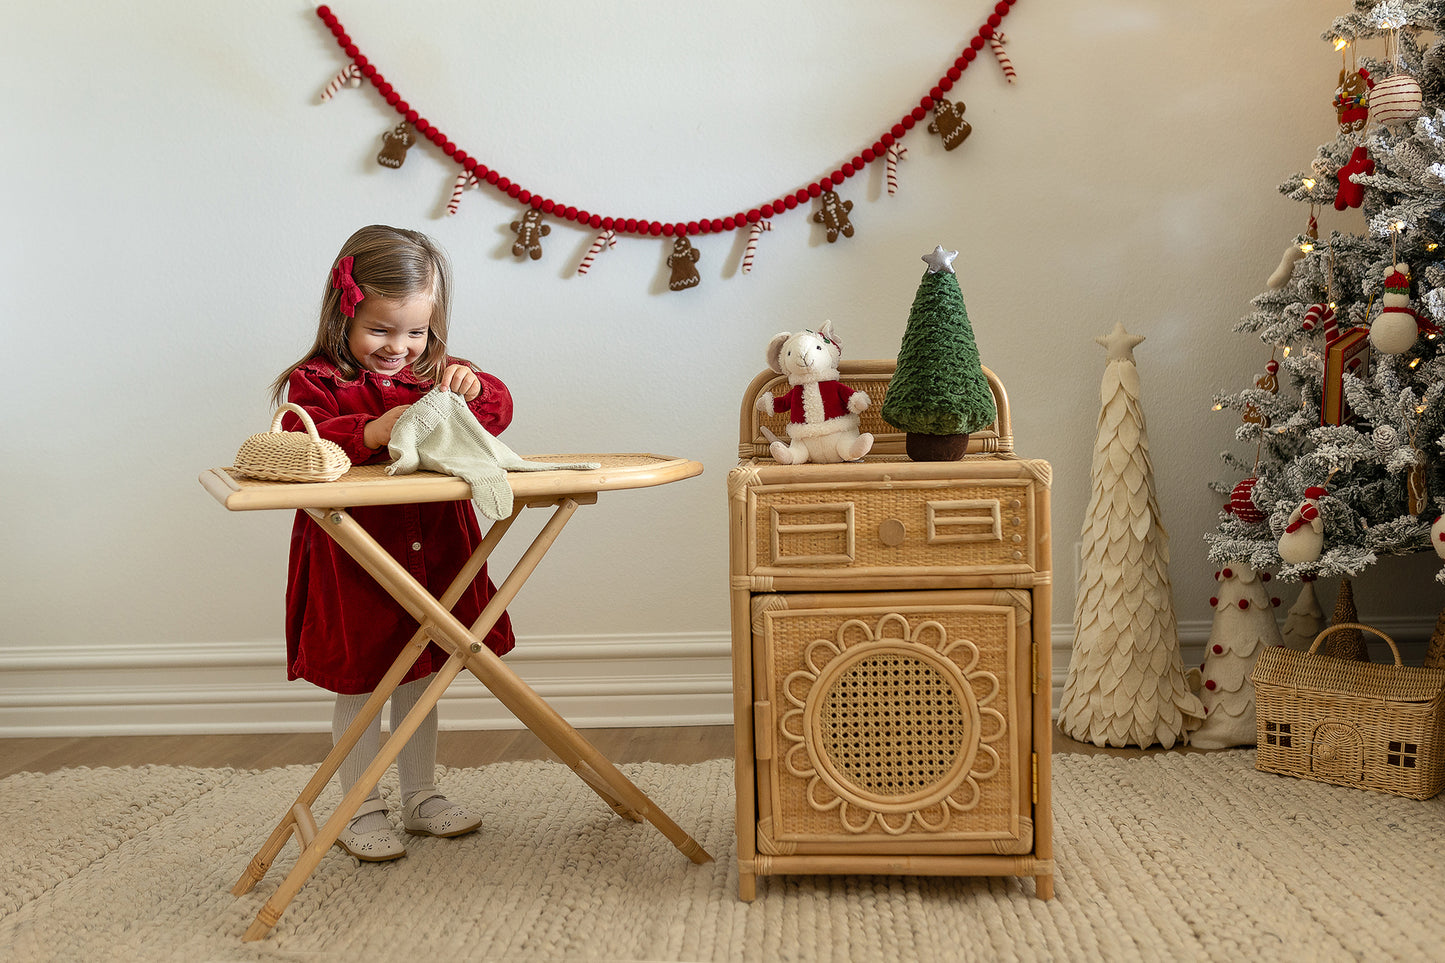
(1304, 535)
(1397, 327)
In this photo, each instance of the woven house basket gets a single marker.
(1350, 723)
(298, 456)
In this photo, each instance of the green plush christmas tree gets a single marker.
(939, 393)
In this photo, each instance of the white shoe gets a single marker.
(377, 846)
(454, 820)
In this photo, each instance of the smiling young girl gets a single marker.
(381, 345)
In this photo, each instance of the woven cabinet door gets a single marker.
(894, 722)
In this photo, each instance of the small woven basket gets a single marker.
(1332, 720)
(297, 456)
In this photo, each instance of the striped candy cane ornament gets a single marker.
(755, 232)
(996, 42)
(464, 180)
(350, 76)
(891, 159)
(603, 239)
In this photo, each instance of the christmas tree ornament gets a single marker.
(1395, 100)
(529, 230)
(1397, 328)
(754, 233)
(1293, 253)
(995, 44)
(1346, 353)
(1318, 316)
(948, 123)
(1351, 194)
(1385, 439)
(1437, 536)
(833, 215)
(1304, 534)
(1241, 503)
(1305, 618)
(682, 261)
(1243, 627)
(603, 240)
(1352, 100)
(939, 393)
(394, 145)
(350, 76)
(1417, 485)
(1126, 684)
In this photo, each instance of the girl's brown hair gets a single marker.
(393, 264)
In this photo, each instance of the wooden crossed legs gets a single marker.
(466, 651)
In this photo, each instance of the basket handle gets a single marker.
(297, 410)
(1355, 625)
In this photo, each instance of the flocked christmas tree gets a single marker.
(938, 394)
(1343, 461)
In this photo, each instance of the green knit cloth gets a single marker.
(440, 433)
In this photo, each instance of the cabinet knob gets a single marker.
(892, 532)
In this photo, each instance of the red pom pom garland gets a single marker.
(474, 173)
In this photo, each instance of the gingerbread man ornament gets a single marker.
(394, 144)
(681, 260)
(530, 231)
(949, 124)
(1351, 194)
(834, 215)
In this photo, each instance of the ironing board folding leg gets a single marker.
(438, 624)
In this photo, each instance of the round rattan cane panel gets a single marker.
(891, 724)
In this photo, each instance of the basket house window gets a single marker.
(1278, 734)
(1406, 755)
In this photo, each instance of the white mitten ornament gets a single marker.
(1304, 536)
(1397, 327)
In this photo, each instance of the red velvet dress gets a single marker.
(342, 630)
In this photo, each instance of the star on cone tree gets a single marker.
(939, 393)
(1126, 684)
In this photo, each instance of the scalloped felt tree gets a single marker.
(939, 393)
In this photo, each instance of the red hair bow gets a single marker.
(342, 281)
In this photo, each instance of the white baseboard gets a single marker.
(241, 687)
(593, 681)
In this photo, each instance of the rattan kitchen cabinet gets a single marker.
(890, 638)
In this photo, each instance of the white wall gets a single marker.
(173, 195)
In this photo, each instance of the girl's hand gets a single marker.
(462, 380)
(378, 431)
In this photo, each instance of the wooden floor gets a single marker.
(679, 745)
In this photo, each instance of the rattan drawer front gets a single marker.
(893, 529)
(893, 722)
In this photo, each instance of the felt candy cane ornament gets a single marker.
(604, 239)
(465, 180)
(755, 232)
(350, 76)
(891, 159)
(996, 43)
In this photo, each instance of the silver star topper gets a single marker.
(940, 261)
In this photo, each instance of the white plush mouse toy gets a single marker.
(823, 412)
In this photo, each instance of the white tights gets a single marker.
(416, 763)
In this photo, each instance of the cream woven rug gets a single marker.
(1170, 857)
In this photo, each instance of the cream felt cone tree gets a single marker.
(1305, 618)
(1126, 683)
(1243, 626)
